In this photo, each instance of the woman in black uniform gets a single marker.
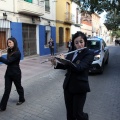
(76, 83)
(13, 73)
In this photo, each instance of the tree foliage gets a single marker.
(99, 6)
(112, 21)
(116, 33)
(112, 7)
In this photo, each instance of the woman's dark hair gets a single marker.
(10, 51)
(78, 34)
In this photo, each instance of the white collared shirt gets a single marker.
(75, 55)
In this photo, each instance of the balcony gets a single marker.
(35, 9)
(69, 18)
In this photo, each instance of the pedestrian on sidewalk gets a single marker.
(51, 46)
(12, 74)
(69, 45)
(76, 83)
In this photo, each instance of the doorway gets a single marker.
(3, 40)
(67, 37)
(29, 39)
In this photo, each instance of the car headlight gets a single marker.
(96, 57)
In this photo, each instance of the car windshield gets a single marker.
(93, 44)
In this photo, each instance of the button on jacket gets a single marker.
(76, 78)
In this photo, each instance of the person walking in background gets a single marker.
(51, 46)
(76, 83)
(69, 45)
(12, 74)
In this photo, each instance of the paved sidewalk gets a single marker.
(38, 92)
(43, 92)
(30, 67)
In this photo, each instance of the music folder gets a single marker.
(65, 62)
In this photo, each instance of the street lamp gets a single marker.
(4, 16)
(33, 20)
(49, 22)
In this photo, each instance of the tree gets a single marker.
(112, 21)
(112, 7)
(99, 6)
(116, 33)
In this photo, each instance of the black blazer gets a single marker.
(76, 80)
(12, 63)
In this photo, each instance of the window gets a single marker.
(67, 11)
(93, 44)
(30, 1)
(47, 6)
(67, 7)
(77, 10)
(47, 34)
(104, 43)
(61, 36)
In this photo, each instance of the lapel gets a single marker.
(70, 56)
(79, 56)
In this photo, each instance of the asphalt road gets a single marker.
(44, 93)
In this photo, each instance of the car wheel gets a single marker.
(106, 62)
(102, 68)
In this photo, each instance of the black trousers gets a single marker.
(51, 51)
(74, 105)
(8, 86)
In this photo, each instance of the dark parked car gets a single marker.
(117, 42)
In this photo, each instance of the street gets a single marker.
(44, 93)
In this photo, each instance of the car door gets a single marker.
(105, 49)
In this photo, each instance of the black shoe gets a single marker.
(1, 110)
(20, 102)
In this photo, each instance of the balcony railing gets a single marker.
(69, 18)
(31, 8)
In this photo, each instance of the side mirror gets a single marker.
(105, 49)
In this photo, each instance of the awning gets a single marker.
(4, 24)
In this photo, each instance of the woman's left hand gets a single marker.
(62, 56)
(53, 61)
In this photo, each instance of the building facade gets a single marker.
(64, 20)
(95, 25)
(76, 19)
(34, 22)
(86, 23)
(104, 33)
(27, 21)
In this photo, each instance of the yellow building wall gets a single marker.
(60, 18)
(61, 9)
(66, 37)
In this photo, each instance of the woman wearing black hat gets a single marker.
(76, 83)
(13, 73)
